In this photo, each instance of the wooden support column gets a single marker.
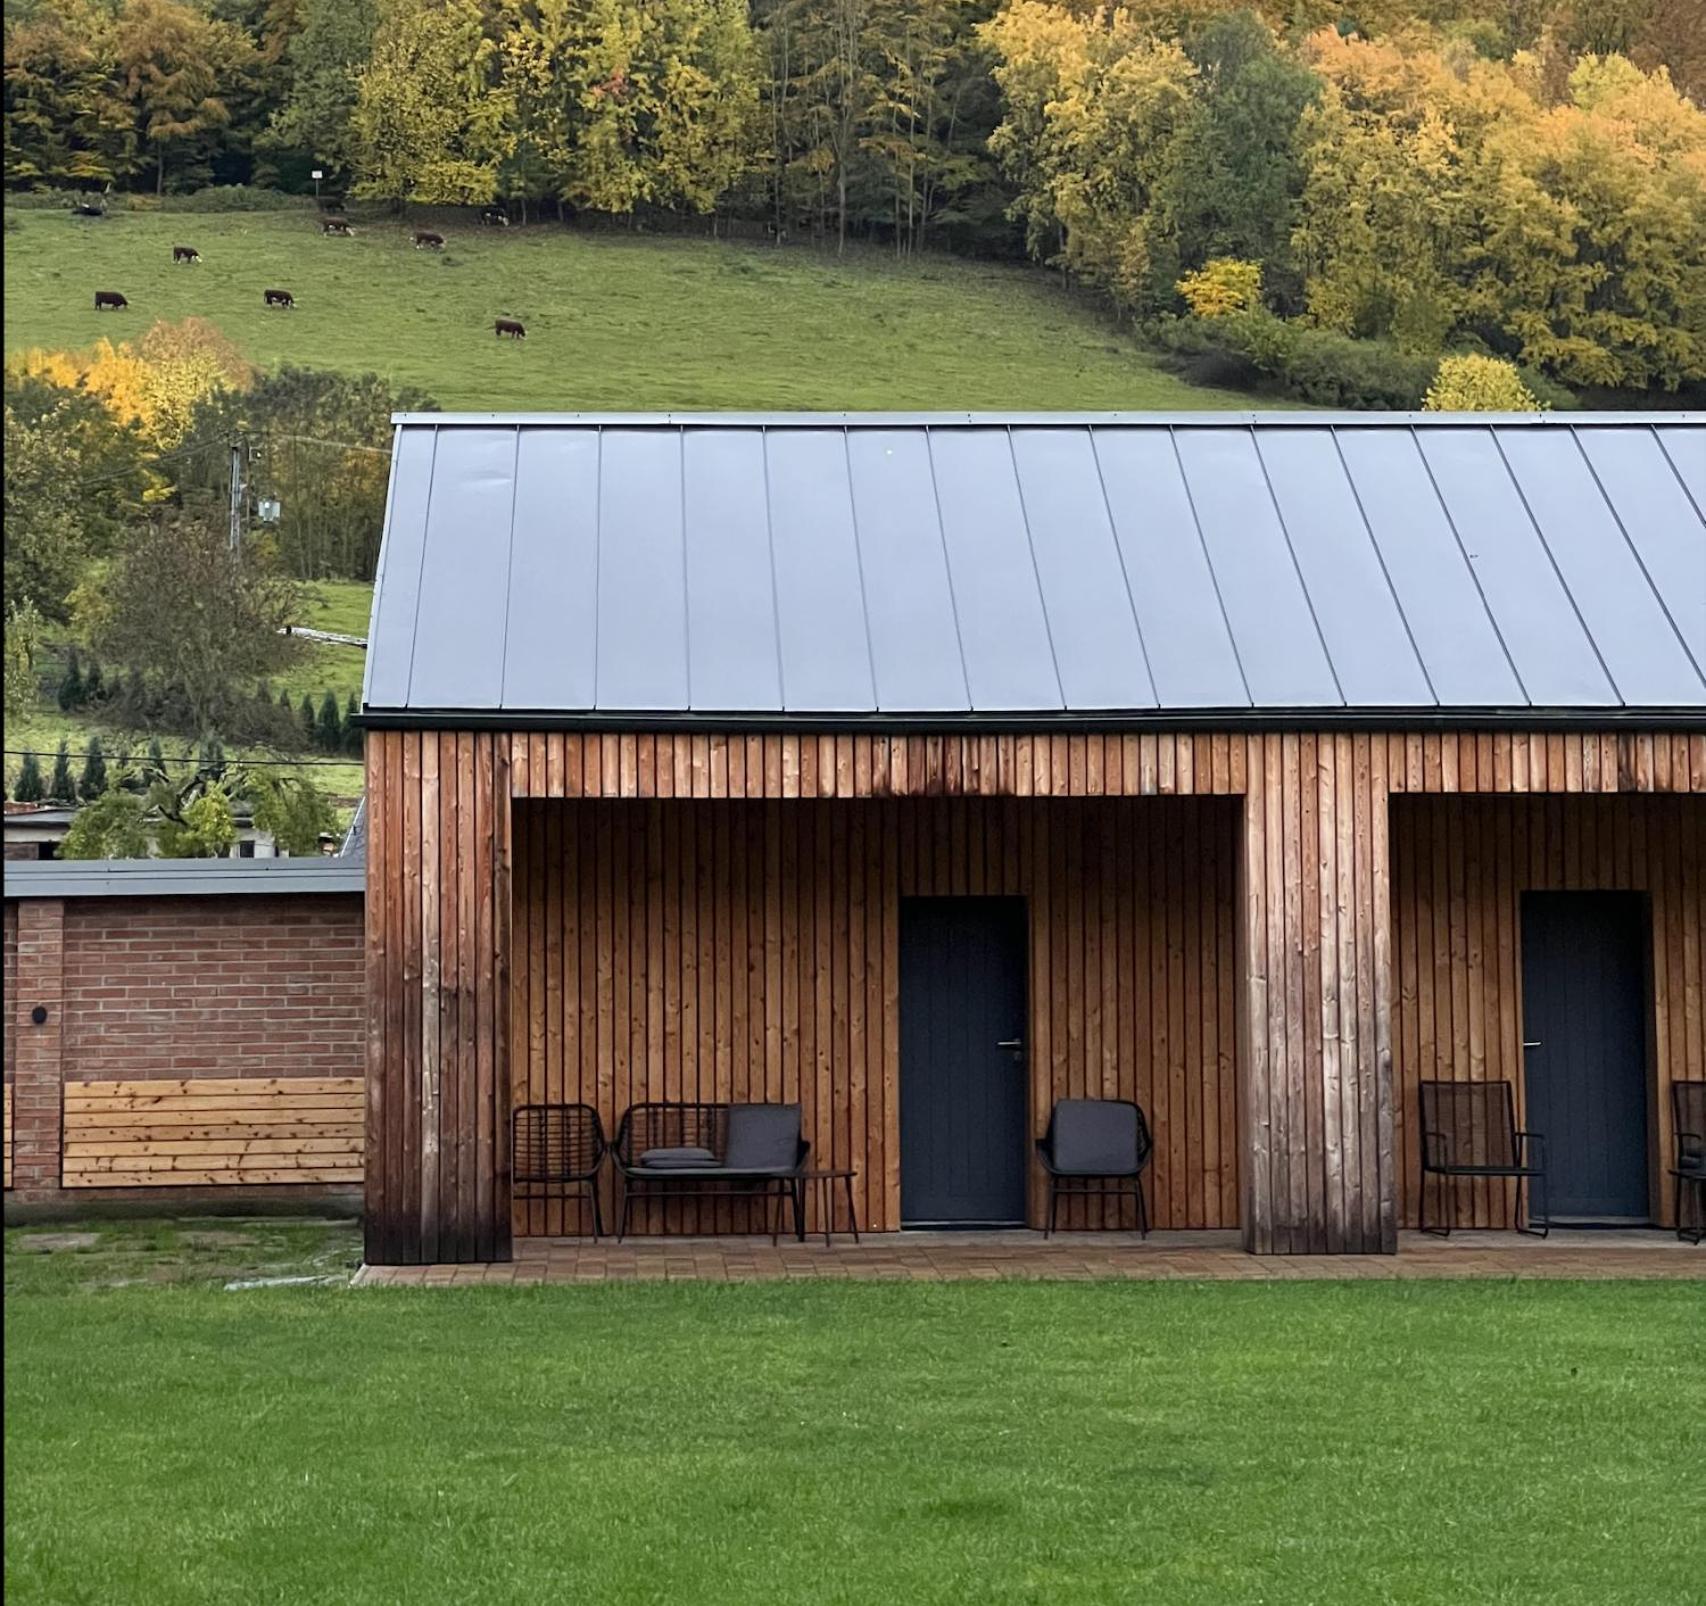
(1315, 1003)
(38, 1047)
(438, 935)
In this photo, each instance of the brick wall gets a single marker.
(147, 988)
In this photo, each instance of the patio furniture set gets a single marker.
(1093, 1147)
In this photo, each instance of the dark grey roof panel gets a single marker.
(732, 657)
(1360, 620)
(1645, 657)
(826, 656)
(909, 605)
(1278, 642)
(642, 572)
(551, 636)
(1657, 495)
(1004, 636)
(1097, 648)
(464, 590)
(1191, 657)
(396, 594)
(1536, 617)
(1460, 649)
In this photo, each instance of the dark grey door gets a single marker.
(962, 1061)
(1584, 1025)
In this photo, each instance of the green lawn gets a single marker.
(1319, 1442)
(612, 322)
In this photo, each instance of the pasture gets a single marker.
(620, 323)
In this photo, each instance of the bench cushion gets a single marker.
(673, 1159)
(763, 1137)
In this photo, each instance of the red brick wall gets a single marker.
(146, 988)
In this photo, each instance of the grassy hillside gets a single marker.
(612, 322)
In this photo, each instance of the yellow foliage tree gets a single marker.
(1223, 285)
(1475, 384)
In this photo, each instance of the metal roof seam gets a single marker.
(1634, 551)
(509, 572)
(1296, 567)
(859, 564)
(1551, 558)
(1125, 574)
(686, 589)
(369, 658)
(1036, 569)
(420, 576)
(947, 567)
(1469, 566)
(770, 548)
(1208, 559)
(1380, 558)
(597, 552)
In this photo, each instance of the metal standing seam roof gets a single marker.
(926, 567)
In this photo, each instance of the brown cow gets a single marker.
(494, 217)
(336, 225)
(509, 326)
(110, 298)
(426, 238)
(185, 253)
(279, 298)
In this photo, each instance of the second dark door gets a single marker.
(963, 1064)
(1583, 993)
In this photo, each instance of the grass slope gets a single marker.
(1322, 1442)
(612, 323)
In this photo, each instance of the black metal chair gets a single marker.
(1095, 1148)
(1469, 1130)
(1688, 1175)
(699, 1150)
(556, 1148)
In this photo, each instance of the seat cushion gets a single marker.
(1095, 1138)
(763, 1137)
(674, 1159)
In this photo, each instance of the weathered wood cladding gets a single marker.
(1313, 1008)
(749, 951)
(1460, 867)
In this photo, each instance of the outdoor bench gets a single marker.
(697, 1150)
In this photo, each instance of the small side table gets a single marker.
(826, 1178)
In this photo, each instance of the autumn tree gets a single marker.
(67, 123)
(323, 58)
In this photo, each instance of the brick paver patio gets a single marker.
(946, 1256)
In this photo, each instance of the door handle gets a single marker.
(1531, 1045)
(1011, 1042)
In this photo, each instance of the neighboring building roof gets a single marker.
(150, 878)
(917, 568)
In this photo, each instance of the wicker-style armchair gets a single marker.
(1469, 1130)
(1095, 1148)
(1688, 1174)
(556, 1148)
(697, 1150)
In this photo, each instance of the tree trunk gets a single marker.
(159, 171)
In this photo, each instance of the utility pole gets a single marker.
(237, 456)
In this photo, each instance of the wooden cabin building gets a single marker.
(924, 770)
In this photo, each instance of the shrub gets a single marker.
(29, 788)
(93, 781)
(94, 686)
(1477, 384)
(60, 787)
(310, 731)
(330, 725)
(1223, 285)
(71, 690)
(238, 198)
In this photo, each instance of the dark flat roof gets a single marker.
(912, 569)
(152, 878)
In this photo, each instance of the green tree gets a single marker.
(71, 694)
(60, 787)
(23, 642)
(329, 726)
(310, 721)
(93, 781)
(352, 726)
(323, 59)
(94, 684)
(291, 809)
(28, 787)
(113, 826)
(204, 828)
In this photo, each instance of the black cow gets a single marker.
(494, 217)
(279, 298)
(185, 253)
(427, 239)
(88, 209)
(110, 298)
(335, 225)
(509, 326)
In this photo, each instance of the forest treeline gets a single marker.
(1523, 178)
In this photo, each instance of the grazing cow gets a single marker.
(426, 238)
(88, 209)
(279, 298)
(185, 253)
(110, 298)
(494, 217)
(335, 225)
(508, 326)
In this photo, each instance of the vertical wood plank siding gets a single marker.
(1459, 970)
(776, 925)
(470, 991)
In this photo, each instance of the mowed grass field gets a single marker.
(170, 1441)
(613, 323)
